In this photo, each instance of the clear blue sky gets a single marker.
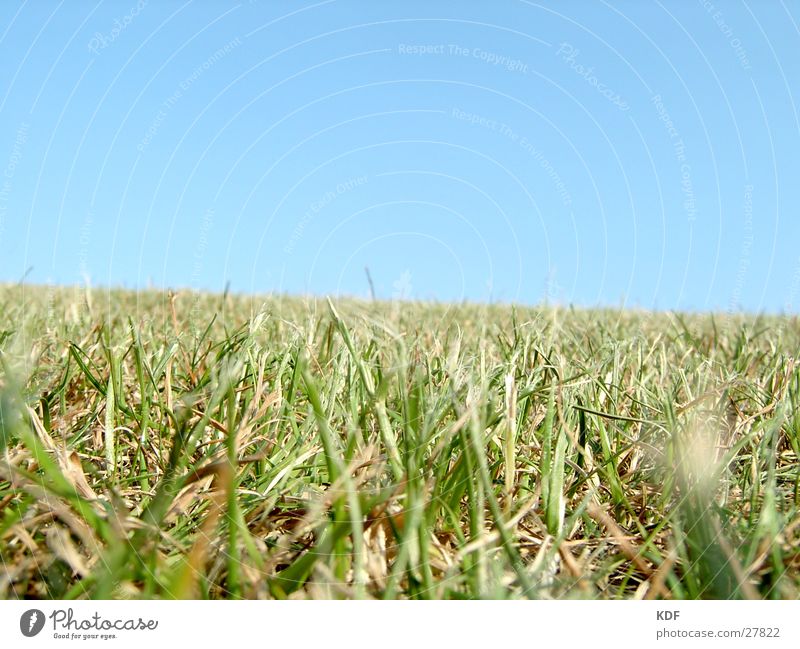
(636, 153)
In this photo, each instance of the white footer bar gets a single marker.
(348, 625)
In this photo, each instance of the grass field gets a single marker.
(158, 446)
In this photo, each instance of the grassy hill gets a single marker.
(226, 447)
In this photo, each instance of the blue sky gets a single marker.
(629, 153)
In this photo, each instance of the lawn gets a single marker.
(219, 446)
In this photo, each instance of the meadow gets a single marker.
(159, 445)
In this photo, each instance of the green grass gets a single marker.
(229, 447)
